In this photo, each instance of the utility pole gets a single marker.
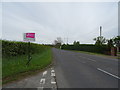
(67, 40)
(100, 33)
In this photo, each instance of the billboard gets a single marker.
(29, 36)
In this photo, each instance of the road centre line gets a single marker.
(91, 59)
(88, 59)
(108, 73)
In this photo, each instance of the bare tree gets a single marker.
(58, 42)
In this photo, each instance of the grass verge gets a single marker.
(14, 68)
(98, 54)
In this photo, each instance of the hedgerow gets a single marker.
(13, 48)
(103, 49)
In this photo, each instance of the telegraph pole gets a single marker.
(100, 33)
(67, 40)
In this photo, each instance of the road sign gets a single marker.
(29, 37)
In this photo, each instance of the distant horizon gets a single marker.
(51, 43)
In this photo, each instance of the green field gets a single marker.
(13, 67)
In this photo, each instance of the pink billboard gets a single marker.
(30, 35)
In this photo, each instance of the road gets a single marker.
(74, 70)
(78, 70)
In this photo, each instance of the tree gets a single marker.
(110, 43)
(116, 41)
(100, 40)
(58, 42)
(76, 43)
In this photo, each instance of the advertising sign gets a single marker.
(29, 37)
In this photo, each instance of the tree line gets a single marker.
(102, 45)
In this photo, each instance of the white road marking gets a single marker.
(53, 81)
(91, 59)
(88, 59)
(108, 73)
(44, 73)
(52, 71)
(42, 81)
(53, 74)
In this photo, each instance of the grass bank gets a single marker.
(98, 54)
(14, 67)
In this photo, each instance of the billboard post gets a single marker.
(29, 37)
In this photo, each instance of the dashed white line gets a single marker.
(53, 81)
(53, 74)
(44, 73)
(108, 73)
(91, 59)
(53, 77)
(88, 59)
(42, 81)
(52, 71)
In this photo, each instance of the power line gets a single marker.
(66, 40)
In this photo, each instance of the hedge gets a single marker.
(87, 47)
(12, 48)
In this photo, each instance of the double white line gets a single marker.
(53, 77)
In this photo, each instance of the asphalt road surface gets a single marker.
(78, 70)
(74, 70)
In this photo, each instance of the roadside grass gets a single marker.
(15, 67)
(92, 53)
(98, 54)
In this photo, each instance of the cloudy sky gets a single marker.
(73, 20)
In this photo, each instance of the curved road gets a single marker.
(73, 70)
